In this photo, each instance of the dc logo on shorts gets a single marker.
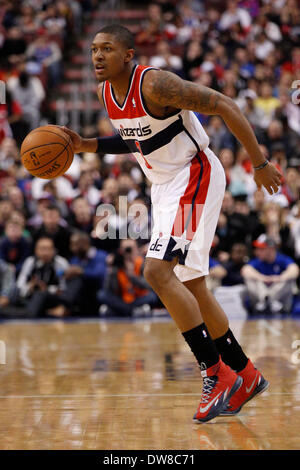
(155, 246)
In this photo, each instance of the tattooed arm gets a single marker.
(163, 89)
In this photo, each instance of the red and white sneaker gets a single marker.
(253, 384)
(220, 382)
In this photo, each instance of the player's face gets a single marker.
(109, 56)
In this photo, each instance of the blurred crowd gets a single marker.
(54, 257)
(36, 38)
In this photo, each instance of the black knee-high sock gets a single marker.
(202, 346)
(231, 352)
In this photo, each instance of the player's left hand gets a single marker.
(269, 177)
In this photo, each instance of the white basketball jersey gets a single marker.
(162, 146)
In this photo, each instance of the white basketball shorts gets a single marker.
(185, 214)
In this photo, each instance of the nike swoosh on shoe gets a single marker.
(210, 404)
(248, 390)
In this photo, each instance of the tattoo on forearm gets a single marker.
(209, 100)
(170, 90)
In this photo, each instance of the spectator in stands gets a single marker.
(74, 13)
(233, 15)
(86, 188)
(291, 185)
(241, 176)
(226, 157)
(60, 189)
(192, 59)
(246, 67)
(81, 217)
(278, 157)
(264, 24)
(216, 273)
(228, 203)
(9, 153)
(127, 186)
(276, 135)
(189, 13)
(14, 247)
(266, 103)
(18, 200)
(217, 133)
(12, 124)
(5, 129)
(109, 191)
(288, 110)
(263, 46)
(6, 183)
(101, 236)
(273, 223)
(29, 92)
(242, 222)
(41, 282)
(44, 53)
(51, 192)
(19, 218)
(238, 259)
(14, 46)
(254, 114)
(152, 29)
(6, 209)
(256, 203)
(7, 285)
(86, 272)
(221, 247)
(126, 292)
(54, 22)
(38, 207)
(270, 278)
(139, 227)
(294, 224)
(51, 228)
(164, 59)
(28, 20)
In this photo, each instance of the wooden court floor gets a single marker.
(134, 385)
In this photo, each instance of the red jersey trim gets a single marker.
(132, 107)
(131, 81)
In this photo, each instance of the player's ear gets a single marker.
(129, 55)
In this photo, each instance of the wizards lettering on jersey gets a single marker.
(135, 131)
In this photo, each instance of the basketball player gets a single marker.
(152, 111)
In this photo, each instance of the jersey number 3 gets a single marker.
(140, 150)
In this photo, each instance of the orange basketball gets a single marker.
(47, 152)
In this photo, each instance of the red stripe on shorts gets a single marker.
(192, 201)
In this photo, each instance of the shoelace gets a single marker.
(208, 385)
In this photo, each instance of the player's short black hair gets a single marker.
(121, 33)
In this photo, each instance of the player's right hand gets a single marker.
(76, 138)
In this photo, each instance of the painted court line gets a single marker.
(271, 328)
(139, 395)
